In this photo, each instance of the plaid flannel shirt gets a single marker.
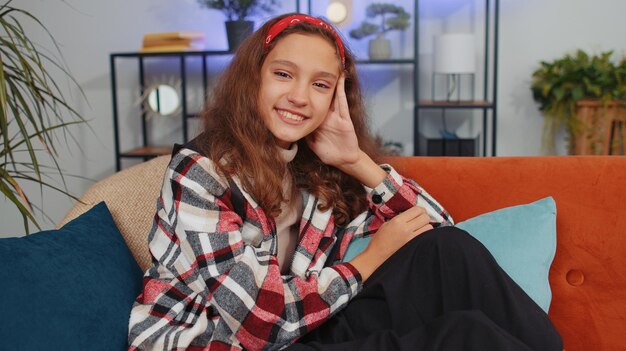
(215, 283)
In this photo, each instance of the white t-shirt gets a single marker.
(287, 223)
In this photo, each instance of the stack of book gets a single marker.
(172, 41)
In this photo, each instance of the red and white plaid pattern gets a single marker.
(215, 283)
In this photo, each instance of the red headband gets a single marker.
(295, 19)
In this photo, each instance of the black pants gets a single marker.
(442, 291)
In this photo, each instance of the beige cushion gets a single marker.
(131, 196)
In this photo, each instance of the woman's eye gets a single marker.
(281, 74)
(321, 85)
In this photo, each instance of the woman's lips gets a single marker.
(290, 117)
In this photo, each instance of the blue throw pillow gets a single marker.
(521, 238)
(68, 289)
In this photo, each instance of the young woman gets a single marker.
(284, 173)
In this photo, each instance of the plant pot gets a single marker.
(237, 32)
(379, 49)
(597, 133)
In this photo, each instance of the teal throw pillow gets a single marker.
(68, 289)
(521, 238)
(523, 241)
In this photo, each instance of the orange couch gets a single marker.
(588, 274)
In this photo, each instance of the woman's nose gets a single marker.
(298, 95)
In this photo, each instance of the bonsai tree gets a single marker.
(558, 85)
(392, 17)
(240, 10)
(32, 110)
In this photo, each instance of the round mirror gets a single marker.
(163, 100)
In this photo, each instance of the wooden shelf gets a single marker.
(172, 53)
(479, 104)
(148, 151)
(385, 61)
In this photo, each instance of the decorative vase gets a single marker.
(379, 49)
(237, 32)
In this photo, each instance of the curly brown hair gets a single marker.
(235, 132)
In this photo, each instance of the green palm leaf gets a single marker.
(32, 111)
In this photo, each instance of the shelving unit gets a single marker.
(147, 151)
(487, 103)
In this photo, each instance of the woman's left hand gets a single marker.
(335, 141)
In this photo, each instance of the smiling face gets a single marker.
(298, 80)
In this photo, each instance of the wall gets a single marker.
(89, 30)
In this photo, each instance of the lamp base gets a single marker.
(455, 87)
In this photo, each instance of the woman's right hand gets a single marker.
(390, 237)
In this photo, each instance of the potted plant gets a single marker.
(392, 17)
(238, 27)
(32, 110)
(566, 85)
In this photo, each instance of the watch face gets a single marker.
(336, 12)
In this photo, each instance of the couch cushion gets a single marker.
(131, 195)
(68, 289)
(521, 238)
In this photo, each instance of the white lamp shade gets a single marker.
(455, 53)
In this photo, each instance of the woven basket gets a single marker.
(602, 129)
